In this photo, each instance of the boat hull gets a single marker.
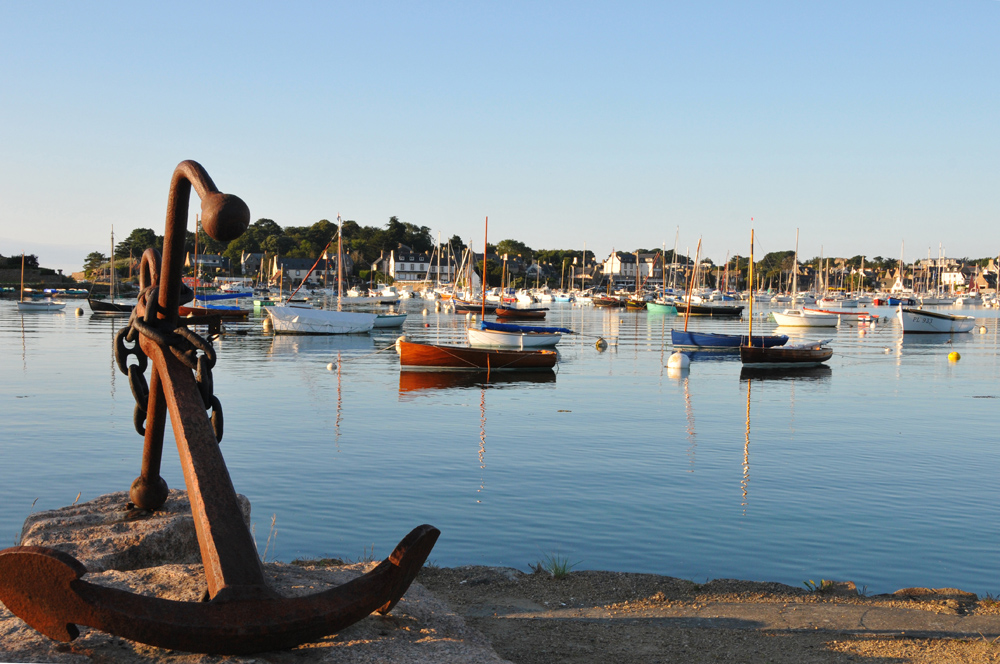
(110, 308)
(783, 358)
(920, 321)
(503, 339)
(713, 310)
(293, 320)
(389, 321)
(26, 306)
(657, 308)
(711, 340)
(520, 314)
(457, 358)
(801, 318)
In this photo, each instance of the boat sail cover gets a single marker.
(511, 327)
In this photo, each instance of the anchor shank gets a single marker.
(227, 549)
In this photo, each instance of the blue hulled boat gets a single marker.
(712, 340)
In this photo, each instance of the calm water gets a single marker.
(881, 469)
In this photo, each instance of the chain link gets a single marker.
(183, 343)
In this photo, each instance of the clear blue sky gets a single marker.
(864, 124)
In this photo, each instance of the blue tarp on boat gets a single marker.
(682, 339)
(511, 327)
(206, 297)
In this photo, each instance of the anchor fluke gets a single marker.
(35, 585)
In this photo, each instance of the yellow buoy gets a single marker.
(953, 356)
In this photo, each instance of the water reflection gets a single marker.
(689, 415)
(292, 344)
(482, 443)
(412, 383)
(745, 482)
(818, 373)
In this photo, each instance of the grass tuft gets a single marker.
(555, 565)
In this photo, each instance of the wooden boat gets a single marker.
(223, 313)
(714, 310)
(783, 357)
(607, 301)
(109, 308)
(522, 314)
(473, 307)
(922, 321)
(457, 358)
(712, 340)
(661, 308)
(634, 304)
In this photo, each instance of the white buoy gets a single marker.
(329, 367)
(437, 306)
(601, 345)
(79, 311)
(982, 329)
(678, 361)
(268, 326)
(399, 342)
(424, 312)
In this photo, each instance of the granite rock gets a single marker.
(105, 534)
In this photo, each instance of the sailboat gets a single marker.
(799, 355)
(299, 320)
(802, 317)
(110, 308)
(433, 356)
(35, 305)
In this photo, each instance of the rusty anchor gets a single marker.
(45, 587)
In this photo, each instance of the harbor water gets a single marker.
(879, 468)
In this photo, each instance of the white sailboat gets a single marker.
(800, 317)
(26, 306)
(300, 320)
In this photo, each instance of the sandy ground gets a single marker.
(630, 618)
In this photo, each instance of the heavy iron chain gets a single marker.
(183, 343)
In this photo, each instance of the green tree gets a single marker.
(514, 248)
(92, 262)
(137, 242)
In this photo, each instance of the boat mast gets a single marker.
(673, 262)
(485, 245)
(694, 275)
(22, 275)
(750, 333)
(111, 273)
(795, 265)
(340, 260)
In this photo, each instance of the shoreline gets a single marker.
(598, 616)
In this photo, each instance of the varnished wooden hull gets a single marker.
(199, 312)
(520, 314)
(456, 358)
(779, 357)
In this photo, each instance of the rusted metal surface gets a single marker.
(46, 588)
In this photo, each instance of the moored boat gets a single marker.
(803, 318)
(293, 320)
(523, 314)
(458, 358)
(921, 321)
(713, 340)
(783, 357)
(389, 320)
(514, 336)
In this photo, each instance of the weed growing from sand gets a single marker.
(557, 566)
(20, 533)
